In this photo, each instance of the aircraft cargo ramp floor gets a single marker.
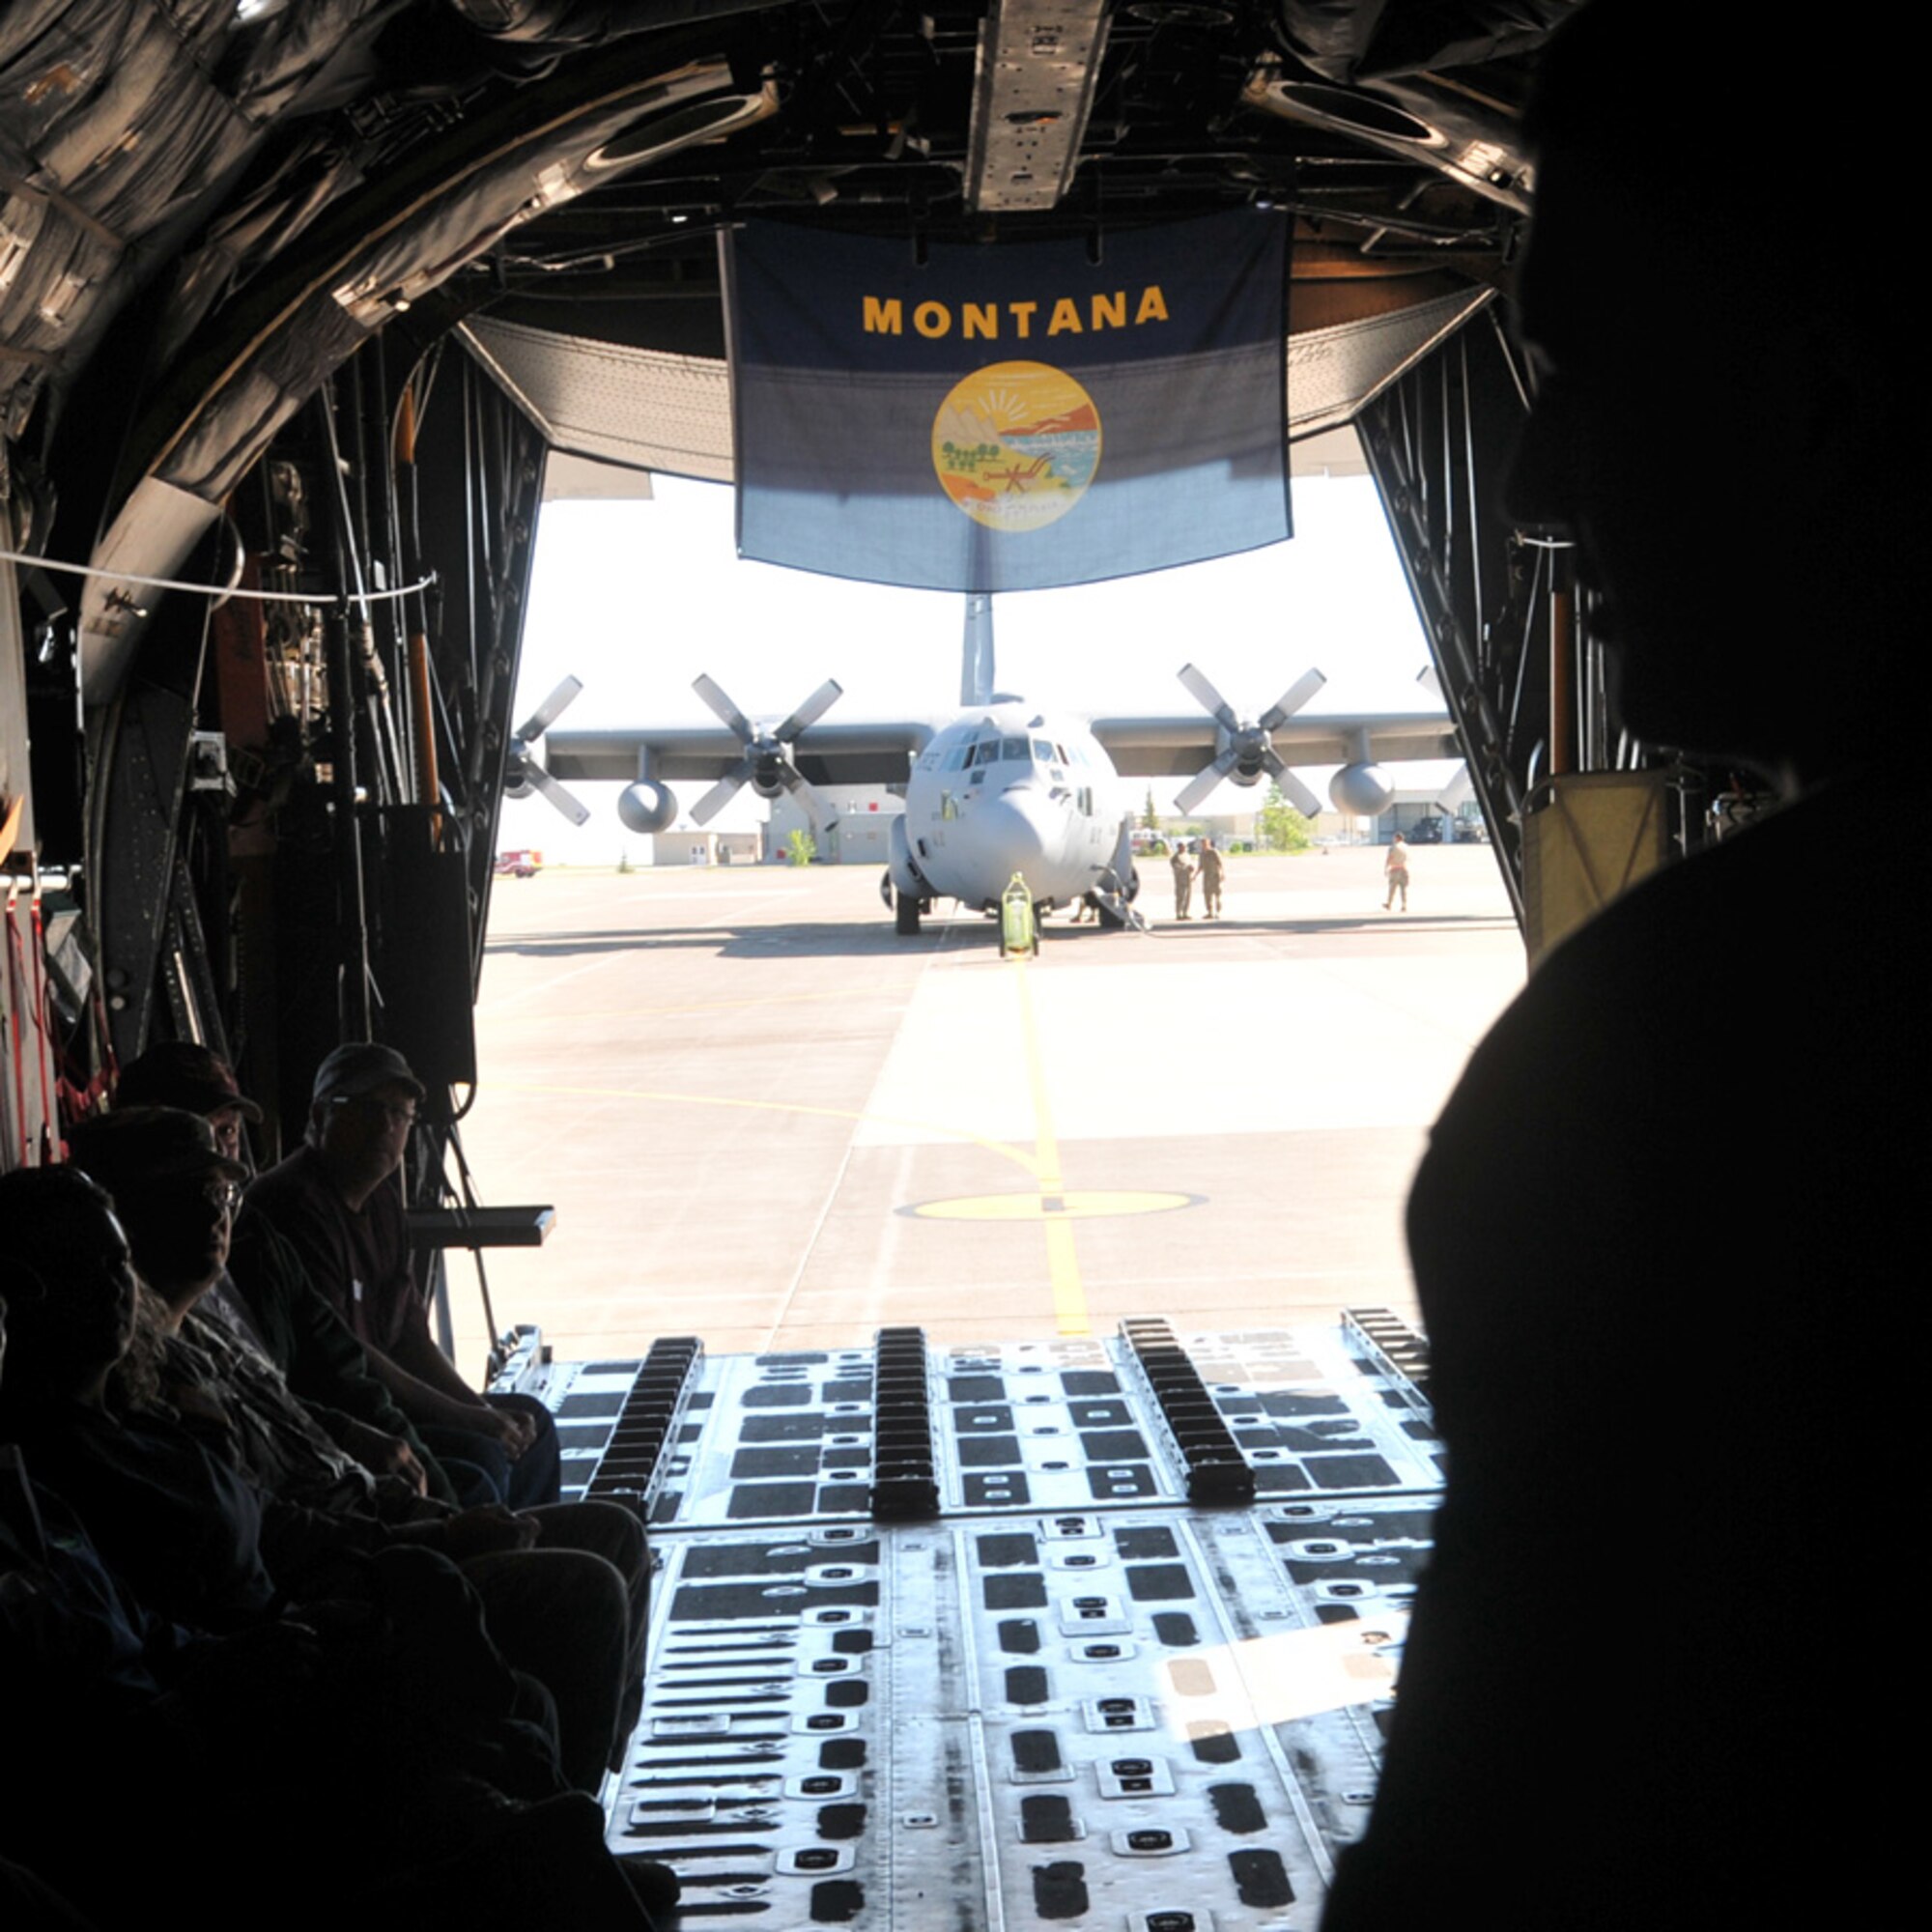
(986, 1598)
(999, 1635)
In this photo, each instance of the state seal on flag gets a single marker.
(1015, 445)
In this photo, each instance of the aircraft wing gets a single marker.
(1178, 747)
(827, 754)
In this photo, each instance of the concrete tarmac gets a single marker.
(766, 1119)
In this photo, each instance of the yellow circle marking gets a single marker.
(1015, 445)
(1076, 1204)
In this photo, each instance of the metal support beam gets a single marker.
(1438, 443)
(1039, 62)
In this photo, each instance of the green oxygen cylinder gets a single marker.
(1016, 930)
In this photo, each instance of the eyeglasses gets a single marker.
(224, 1195)
(398, 1113)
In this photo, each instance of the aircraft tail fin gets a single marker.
(976, 652)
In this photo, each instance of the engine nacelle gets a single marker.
(901, 867)
(647, 806)
(1361, 788)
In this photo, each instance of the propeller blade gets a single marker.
(795, 783)
(1292, 790)
(1292, 700)
(722, 792)
(1204, 782)
(713, 694)
(573, 809)
(549, 710)
(1457, 790)
(1209, 699)
(810, 711)
(1196, 789)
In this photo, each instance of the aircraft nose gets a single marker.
(1019, 824)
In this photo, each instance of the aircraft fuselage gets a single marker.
(1005, 788)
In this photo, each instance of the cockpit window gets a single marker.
(986, 751)
(1043, 751)
(1012, 747)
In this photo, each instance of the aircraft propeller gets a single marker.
(523, 774)
(767, 765)
(1249, 751)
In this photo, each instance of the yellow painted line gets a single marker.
(1075, 1205)
(999, 1147)
(1062, 1261)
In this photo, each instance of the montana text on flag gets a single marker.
(1010, 417)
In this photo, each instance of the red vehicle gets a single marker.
(520, 865)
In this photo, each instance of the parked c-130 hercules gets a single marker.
(1001, 791)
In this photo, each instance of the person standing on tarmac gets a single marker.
(1183, 878)
(1212, 868)
(1395, 869)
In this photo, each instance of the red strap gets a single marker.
(46, 1033)
(16, 985)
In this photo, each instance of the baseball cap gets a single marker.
(135, 1147)
(360, 1068)
(181, 1073)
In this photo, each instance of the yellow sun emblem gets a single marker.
(1015, 445)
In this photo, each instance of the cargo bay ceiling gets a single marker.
(206, 206)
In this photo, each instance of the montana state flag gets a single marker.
(1010, 417)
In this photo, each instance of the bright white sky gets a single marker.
(637, 598)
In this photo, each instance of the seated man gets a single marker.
(267, 1295)
(571, 1611)
(336, 1202)
(466, 1823)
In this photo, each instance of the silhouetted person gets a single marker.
(565, 1588)
(267, 1297)
(393, 1717)
(1671, 1192)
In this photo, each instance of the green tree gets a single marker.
(799, 850)
(1282, 828)
(1150, 817)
